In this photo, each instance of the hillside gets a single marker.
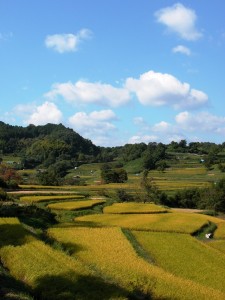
(45, 145)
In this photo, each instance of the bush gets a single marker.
(3, 195)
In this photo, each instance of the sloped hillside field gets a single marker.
(127, 251)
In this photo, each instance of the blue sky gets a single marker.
(115, 71)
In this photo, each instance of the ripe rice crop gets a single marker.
(169, 222)
(12, 232)
(75, 205)
(108, 251)
(184, 256)
(220, 231)
(55, 276)
(180, 184)
(9, 221)
(134, 208)
(49, 198)
(218, 244)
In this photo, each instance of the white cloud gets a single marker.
(182, 49)
(158, 89)
(45, 113)
(162, 127)
(67, 42)
(181, 20)
(90, 93)
(201, 122)
(137, 139)
(96, 125)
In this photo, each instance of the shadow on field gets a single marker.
(12, 234)
(71, 286)
(12, 289)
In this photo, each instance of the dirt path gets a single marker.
(187, 210)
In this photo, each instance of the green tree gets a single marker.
(152, 193)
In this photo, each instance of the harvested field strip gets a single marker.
(169, 222)
(185, 256)
(134, 208)
(53, 275)
(49, 198)
(75, 205)
(108, 250)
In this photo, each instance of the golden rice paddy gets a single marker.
(75, 205)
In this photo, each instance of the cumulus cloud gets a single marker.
(90, 93)
(45, 113)
(96, 125)
(67, 42)
(181, 20)
(202, 121)
(162, 127)
(137, 139)
(182, 49)
(160, 89)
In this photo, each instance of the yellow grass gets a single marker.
(32, 198)
(134, 207)
(75, 205)
(109, 252)
(185, 256)
(169, 222)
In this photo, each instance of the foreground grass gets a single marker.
(109, 252)
(134, 208)
(185, 256)
(75, 205)
(169, 222)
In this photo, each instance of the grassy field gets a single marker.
(134, 208)
(108, 251)
(75, 205)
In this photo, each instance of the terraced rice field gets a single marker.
(109, 252)
(34, 198)
(75, 205)
(51, 273)
(185, 256)
(134, 208)
(168, 222)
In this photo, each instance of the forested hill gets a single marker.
(45, 144)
